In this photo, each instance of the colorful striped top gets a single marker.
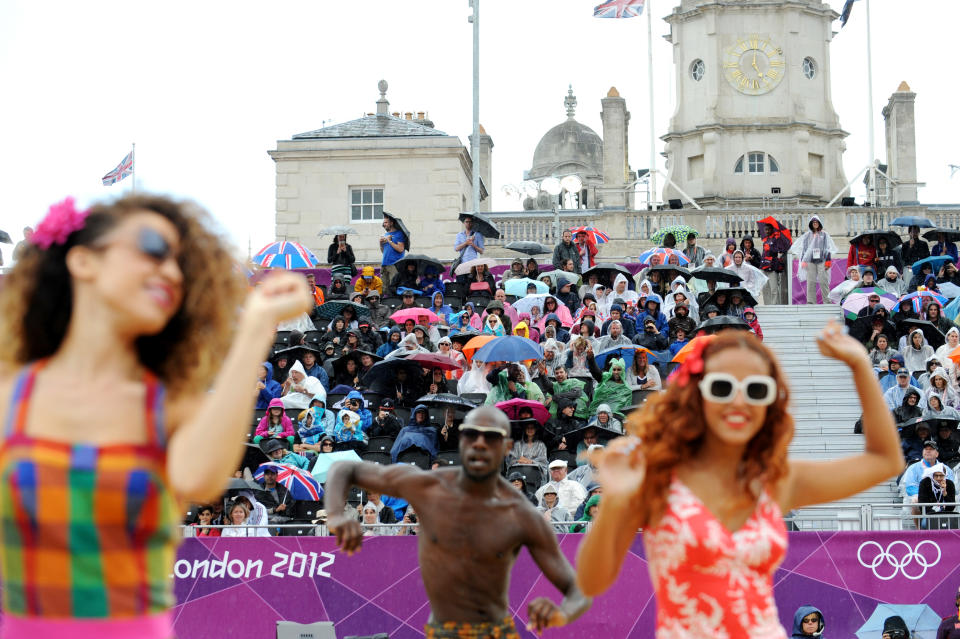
(86, 532)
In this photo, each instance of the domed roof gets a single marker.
(569, 147)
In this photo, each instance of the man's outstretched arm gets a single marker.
(543, 547)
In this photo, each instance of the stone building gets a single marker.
(349, 173)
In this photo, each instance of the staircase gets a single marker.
(823, 401)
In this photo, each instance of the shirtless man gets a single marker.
(472, 527)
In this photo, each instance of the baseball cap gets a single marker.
(903, 373)
(931, 444)
(558, 463)
(386, 404)
(549, 488)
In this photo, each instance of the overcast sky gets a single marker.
(206, 88)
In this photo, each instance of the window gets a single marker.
(757, 162)
(697, 69)
(809, 68)
(366, 204)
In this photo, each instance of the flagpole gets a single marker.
(652, 187)
(873, 155)
(133, 168)
(475, 142)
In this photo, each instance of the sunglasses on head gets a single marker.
(758, 390)
(472, 434)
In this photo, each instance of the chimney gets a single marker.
(901, 136)
(383, 107)
(420, 115)
(485, 159)
(408, 115)
(395, 114)
(616, 120)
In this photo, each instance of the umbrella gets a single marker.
(465, 267)
(400, 226)
(340, 229)
(892, 238)
(626, 353)
(422, 262)
(512, 409)
(777, 226)
(253, 456)
(415, 314)
(382, 374)
(476, 344)
(722, 322)
(917, 299)
(606, 272)
(339, 364)
(434, 360)
(326, 460)
(518, 286)
(952, 234)
(949, 290)
(952, 309)
(556, 276)
(921, 620)
(236, 485)
(680, 232)
(528, 302)
(662, 256)
(729, 292)
(299, 483)
(934, 337)
(593, 235)
(859, 299)
(529, 248)
(443, 400)
(509, 348)
(683, 352)
(482, 224)
(712, 273)
(5, 238)
(287, 255)
(911, 220)
(463, 336)
(671, 268)
(935, 263)
(603, 434)
(333, 308)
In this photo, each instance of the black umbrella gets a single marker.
(863, 327)
(340, 364)
(892, 238)
(729, 292)
(721, 322)
(665, 268)
(422, 262)
(603, 434)
(529, 248)
(714, 274)
(482, 224)
(237, 485)
(381, 378)
(253, 456)
(934, 337)
(443, 400)
(606, 272)
(400, 226)
(330, 310)
(953, 235)
(463, 336)
(518, 426)
(5, 238)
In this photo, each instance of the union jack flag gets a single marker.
(124, 169)
(619, 9)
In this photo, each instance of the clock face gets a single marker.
(753, 65)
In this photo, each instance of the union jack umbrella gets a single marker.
(619, 9)
(285, 255)
(664, 254)
(121, 171)
(594, 235)
(299, 483)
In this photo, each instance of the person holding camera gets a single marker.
(339, 253)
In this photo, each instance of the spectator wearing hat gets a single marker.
(559, 428)
(895, 394)
(892, 282)
(515, 272)
(950, 626)
(518, 481)
(275, 497)
(407, 297)
(895, 363)
(385, 423)
(839, 292)
(936, 489)
(368, 282)
(369, 338)
(553, 513)
(910, 481)
(569, 493)
(616, 314)
(912, 439)
(379, 313)
(278, 453)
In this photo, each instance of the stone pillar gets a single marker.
(486, 168)
(615, 119)
(901, 135)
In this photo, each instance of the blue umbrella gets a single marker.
(625, 352)
(912, 220)
(920, 619)
(509, 348)
(952, 309)
(518, 286)
(934, 262)
(326, 460)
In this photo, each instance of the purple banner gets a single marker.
(240, 588)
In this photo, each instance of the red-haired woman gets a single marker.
(706, 476)
(132, 304)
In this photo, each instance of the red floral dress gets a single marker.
(710, 582)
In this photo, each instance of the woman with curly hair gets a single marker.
(705, 474)
(132, 304)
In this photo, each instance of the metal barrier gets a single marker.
(316, 530)
(875, 516)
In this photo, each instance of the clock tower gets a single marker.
(754, 118)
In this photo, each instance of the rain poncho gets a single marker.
(617, 394)
(572, 389)
(621, 291)
(271, 390)
(839, 292)
(311, 386)
(408, 346)
(555, 347)
(474, 380)
(581, 525)
(608, 341)
(897, 286)
(317, 422)
(915, 359)
(948, 396)
(493, 326)
(501, 391)
(670, 304)
(753, 278)
(348, 427)
(416, 435)
(813, 247)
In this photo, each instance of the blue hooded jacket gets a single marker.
(413, 434)
(445, 308)
(431, 283)
(318, 372)
(366, 417)
(798, 616)
(388, 347)
(563, 335)
(324, 422)
(271, 390)
(659, 318)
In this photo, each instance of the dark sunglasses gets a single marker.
(152, 244)
(472, 434)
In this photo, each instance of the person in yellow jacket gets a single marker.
(368, 282)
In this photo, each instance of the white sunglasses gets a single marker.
(758, 390)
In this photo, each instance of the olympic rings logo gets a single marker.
(887, 557)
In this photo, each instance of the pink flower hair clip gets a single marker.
(61, 220)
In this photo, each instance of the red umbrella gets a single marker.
(415, 314)
(512, 409)
(434, 360)
(777, 226)
(593, 235)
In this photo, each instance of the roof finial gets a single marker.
(383, 106)
(570, 102)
